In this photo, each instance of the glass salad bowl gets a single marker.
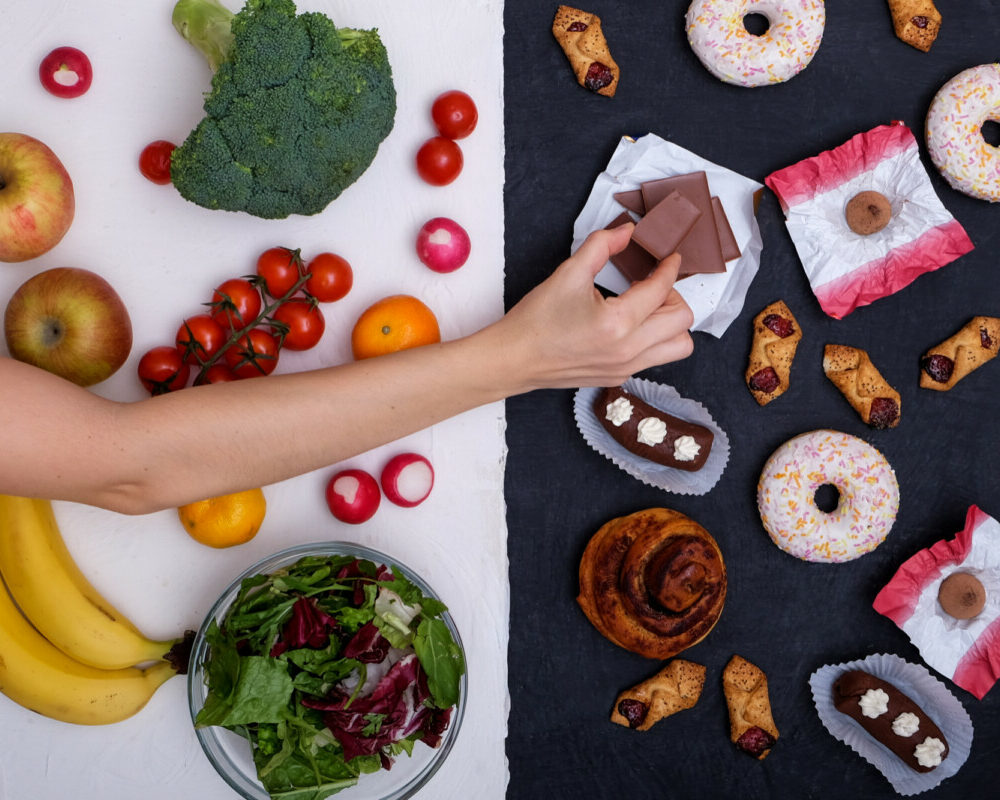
(227, 703)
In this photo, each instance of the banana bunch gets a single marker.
(66, 652)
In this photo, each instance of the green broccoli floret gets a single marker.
(297, 110)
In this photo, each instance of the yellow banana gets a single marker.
(58, 599)
(41, 677)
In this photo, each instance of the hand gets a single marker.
(566, 334)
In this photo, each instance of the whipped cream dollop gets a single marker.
(874, 703)
(906, 724)
(928, 752)
(686, 448)
(619, 411)
(651, 431)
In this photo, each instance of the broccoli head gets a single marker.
(296, 113)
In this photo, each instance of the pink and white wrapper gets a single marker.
(967, 651)
(845, 269)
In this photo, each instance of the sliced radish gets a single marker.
(407, 479)
(353, 496)
(443, 245)
(66, 72)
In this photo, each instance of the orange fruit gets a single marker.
(224, 521)
(394, 323)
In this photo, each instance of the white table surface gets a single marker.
(164, 256)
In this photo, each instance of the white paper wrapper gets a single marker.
(715, 299)
(920, 686)
(666, 399)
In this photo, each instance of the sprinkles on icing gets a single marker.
(869, 497)
(954, 132)
(721, 41)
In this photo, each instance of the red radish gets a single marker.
(353, 496)
(66, 72)
(443, 245)
(407, 479)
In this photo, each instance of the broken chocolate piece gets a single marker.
(727, 240)
(700, 250)
(665, 225)
(633, 262)
(632, 200)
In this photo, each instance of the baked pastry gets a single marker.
(892, 718)
(582, 40)
(776, 336)
(852, 371)
(916, 22)
(675, 687)
(751, 725)
(652, 434)
(867, 213)
(945, 365)
(653, 582)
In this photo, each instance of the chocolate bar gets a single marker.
(700, 250)
(727, 241)
(665, 225)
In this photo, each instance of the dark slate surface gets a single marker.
(788, 616)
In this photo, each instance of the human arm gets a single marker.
(62, 441)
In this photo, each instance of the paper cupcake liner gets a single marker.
(926, 691)
(667, 399)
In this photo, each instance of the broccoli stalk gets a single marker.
(296, 113)
(207, 25)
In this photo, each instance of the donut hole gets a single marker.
(756, 24)
(991, 132)
(827, 498)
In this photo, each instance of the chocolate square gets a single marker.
(727, 240)
(633, 262)
(632, 200)
(665, 225)
(700, 249)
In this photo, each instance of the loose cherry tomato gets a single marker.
(254, 354)
(439, 161)
(304, 321)
(66, 72)
(154, 161)
(199, 338)
(235, 304)
(330, 277)
(217, 373)
(454, 114)
(163, 370)
(280, 268)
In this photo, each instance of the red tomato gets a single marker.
(66, 72)
(235, 304)
(154, 161)
(280, 268)
(217, 373)
(330, 278)
(304, 321)
(439, 161)
(255, 353)
(454, 114)
(199, 338)
(163, 370)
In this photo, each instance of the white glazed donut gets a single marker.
(869, 497)
(719, 38)
(954, 131)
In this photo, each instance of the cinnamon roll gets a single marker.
(653, 582)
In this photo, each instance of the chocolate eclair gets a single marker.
(892, 718)
(651, 433)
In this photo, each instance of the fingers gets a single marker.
(600, 245)
(647, 295)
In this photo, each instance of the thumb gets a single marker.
(600, 245)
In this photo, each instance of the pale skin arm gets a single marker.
(64, 442)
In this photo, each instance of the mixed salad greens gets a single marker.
(330, 668)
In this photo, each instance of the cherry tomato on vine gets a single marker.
(280, 268)
(199, 338)
(254, 354)
(217, 373)
(163, 370)
(454, 114)
(330, 278)
(439, 161)
(154, 161)
(305, 323)
(235, 304)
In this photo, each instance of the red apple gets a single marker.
(71, 322)
(36, 198)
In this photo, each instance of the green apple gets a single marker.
(71, 322)
(36, 198)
